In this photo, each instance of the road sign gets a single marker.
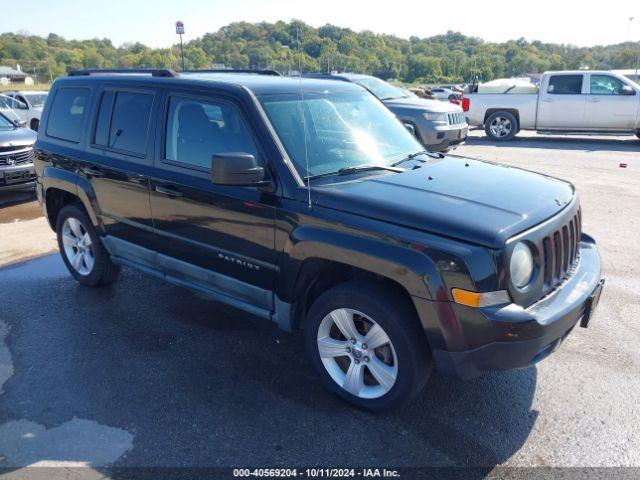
(179, 27)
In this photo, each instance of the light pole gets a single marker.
(288, 57)
(180, 31)
(629, 28)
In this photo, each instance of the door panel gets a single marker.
(562, 104)
(223, 229)
(119, 175)
(227, 232)
(607, 108)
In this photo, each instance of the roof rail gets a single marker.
(240, 70)
(159, 72)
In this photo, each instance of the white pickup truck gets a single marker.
(567, 102)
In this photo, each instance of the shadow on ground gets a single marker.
(198, 384)
(587, 144)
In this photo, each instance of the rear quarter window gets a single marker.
(67, 113)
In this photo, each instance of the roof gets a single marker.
(352, 77)
(11, 72)
(258, 84)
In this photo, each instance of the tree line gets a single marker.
(294, 46)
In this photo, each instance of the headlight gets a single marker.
(521, 265)
(436, 117)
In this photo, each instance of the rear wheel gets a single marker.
(81, 248)
(501, 126)
(367, 346)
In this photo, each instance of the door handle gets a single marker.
(594, 100)
(169, 191)
(94, 172)
(547, 100)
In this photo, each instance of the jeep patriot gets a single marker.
(307, 203)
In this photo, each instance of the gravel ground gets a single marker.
(147, 374)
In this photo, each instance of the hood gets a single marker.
(17, 137)
(470, 200)
(423, 104)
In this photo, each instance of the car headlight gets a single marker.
(521, 265)
(436, 117)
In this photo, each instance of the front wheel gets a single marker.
(367, 346)
(81, 248)
(501, 126)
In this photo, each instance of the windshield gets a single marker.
(5, 124)
(36, 99)
(380, 88)
(343, 130)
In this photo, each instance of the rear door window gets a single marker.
(565, 84)
(67, 113)
(123, 121)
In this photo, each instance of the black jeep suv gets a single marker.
(306, 202)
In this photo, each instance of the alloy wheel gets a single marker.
(357, 353)
(77, 246)
(500, 127)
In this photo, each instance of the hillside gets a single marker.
(449, 57)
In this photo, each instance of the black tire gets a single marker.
(35, 124)
(391, 311)
(638, 134)
(103, 271)
(509, 123)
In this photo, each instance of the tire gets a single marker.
(638, 134)
(35, 124)
(501, 126)
(402, 362)
(88, 262)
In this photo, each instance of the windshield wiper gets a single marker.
(412, 156)
(358, 169)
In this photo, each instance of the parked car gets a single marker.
(16, 156)
(567, 102)
(28, 106)
(305, 202)
(445, 94)
(6, 108)
(438, 126)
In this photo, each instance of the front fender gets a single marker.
(410, 268)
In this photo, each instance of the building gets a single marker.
(11, 75)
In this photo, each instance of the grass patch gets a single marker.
(23, 87)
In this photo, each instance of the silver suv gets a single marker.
(16, 156)
(438, 125)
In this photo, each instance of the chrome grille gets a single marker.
(560, 252)
(456, 118)
(16, 158)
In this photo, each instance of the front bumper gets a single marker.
(17, 177)
(439, 138)
(517, 337)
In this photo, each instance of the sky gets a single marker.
(152, 22)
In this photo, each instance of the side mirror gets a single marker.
(237, 168)
(410, 128)
(551, 88)
(627, 90)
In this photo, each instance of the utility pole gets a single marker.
(180, 31)
(629, 28)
